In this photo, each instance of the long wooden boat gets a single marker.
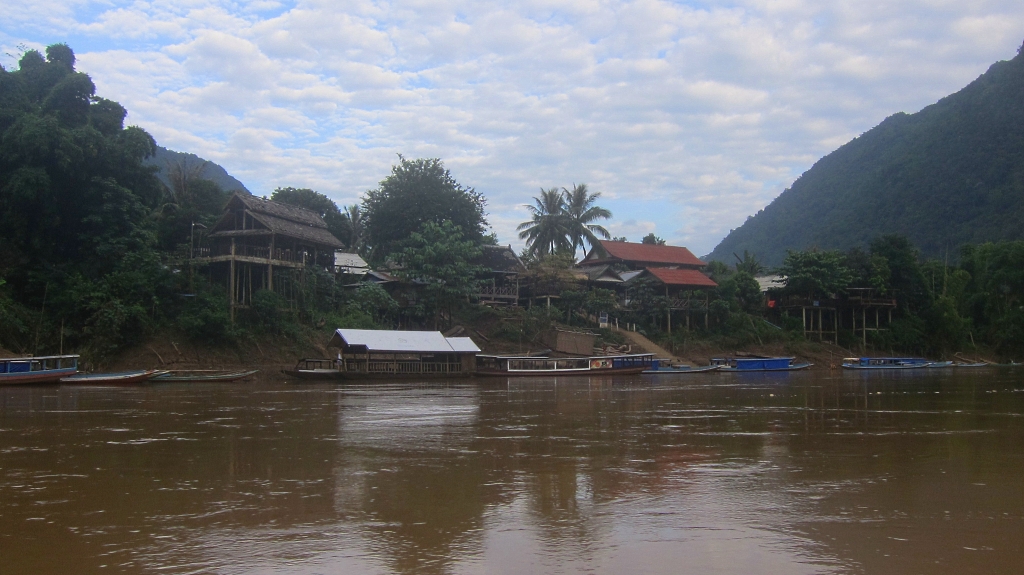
(680, 370)
(45, 369)
(885, 363)
(752, 364)
(315, 369)
(523, 366)
(940, 364)
(199, 375)
(972, 364)
(120, 378)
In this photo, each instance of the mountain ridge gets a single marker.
(948, 175)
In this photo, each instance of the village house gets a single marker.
(259, 244)
(674, 270)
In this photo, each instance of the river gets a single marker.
(807, 472)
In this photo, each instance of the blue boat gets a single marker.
(746, 364)
(45, 369)
(885, 363)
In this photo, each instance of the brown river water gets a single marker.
(843, 472)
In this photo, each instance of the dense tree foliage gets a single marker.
(949, 175)
(416, 192)
(318, 203)
(439, 258)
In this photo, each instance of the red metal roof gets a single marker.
(686, 278)
(648, 253)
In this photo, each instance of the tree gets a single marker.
(816, 273)
(438, 258)
(653, 240)
(547, 232)
(581, 212)
(416, 192)
(315, 202)
(749, 264)
(354, 228)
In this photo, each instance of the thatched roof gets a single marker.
(500, 259)
(277, 218)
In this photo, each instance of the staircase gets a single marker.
(648, 346)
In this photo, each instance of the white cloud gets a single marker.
(687, 116)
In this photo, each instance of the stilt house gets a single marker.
(261, 244)
(674, 269)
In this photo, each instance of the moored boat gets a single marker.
(197, 375)
(119, 378)
(751, 364)
(45, 369)
(940, 364)
(885, 363)
(972, 364)
(522, 366)
(315, 369)
(679, 369)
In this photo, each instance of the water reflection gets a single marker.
(730, 473)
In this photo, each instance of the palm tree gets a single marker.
(354, 228)
(547, 231)
(581, 213)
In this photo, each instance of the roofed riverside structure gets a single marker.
(384, 353)
(255, 236)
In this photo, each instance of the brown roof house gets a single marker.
(261, 244)
(672, 270)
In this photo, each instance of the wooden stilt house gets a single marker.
(261, 244)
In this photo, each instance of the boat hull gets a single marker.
(561, 372)
(49, 376)
(680, 371)
(796, 367)
(197, 376)
(123, 378)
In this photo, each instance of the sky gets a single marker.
(687, 117)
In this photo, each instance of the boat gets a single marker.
(885, 363)
(44, 369)
(222, 375)
(520, 366)
(972, 364)
(315, 369)
(940, 364)
(120, 378)
(751, 364)
(679, 369)
(391, 354)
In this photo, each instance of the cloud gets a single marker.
(688, 117)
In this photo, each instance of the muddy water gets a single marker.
(913, 472)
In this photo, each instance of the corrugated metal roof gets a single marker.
(381, 340)
(644, 253)
(463, 344)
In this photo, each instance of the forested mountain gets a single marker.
(946, 176)
(211, 171)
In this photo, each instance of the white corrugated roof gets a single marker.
(463, 344)
(388, 340)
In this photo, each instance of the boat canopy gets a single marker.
(379, 340)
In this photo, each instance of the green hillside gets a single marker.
(211, 171)
(948, 175)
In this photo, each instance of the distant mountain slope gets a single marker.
(950, 174)
(213, 172)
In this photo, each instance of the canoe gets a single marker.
(120, 378)
(194, 375)
(940, 364)
(973, 364)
